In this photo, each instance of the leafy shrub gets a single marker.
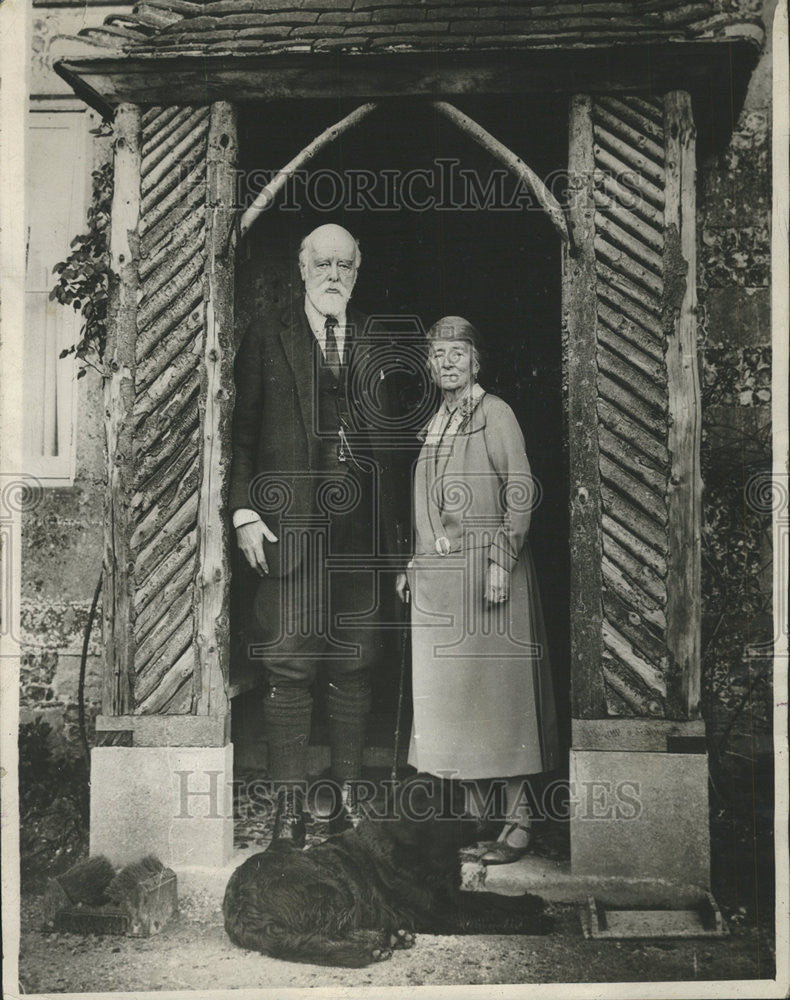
(54, 804)
(83, 278)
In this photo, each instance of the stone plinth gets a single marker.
(174, 802)
(640, 815)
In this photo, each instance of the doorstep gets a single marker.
(552, 880)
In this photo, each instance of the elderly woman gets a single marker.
(483, 699)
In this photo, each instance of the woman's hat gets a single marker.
(455, 328)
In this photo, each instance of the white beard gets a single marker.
(331, 303)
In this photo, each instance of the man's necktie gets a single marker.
(331, 352)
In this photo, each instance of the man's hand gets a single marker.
(497, 585)
(402, 587)
(250, 538)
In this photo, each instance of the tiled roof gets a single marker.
(239, 27)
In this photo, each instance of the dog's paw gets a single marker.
(402, 939)
(381, 954)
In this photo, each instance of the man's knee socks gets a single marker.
(286, 717)
(348, 705)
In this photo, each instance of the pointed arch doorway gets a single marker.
(446, 226)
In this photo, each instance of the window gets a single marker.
(58, 184)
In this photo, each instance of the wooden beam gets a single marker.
(684, 595)
(119, 406)
(168, 730)
(514, 164)
(644, 735)
(216, 408)
(104, 82)
(579, 323)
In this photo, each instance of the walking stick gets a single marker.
(401, 682)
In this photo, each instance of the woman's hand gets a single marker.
(497, 585)
(402, 587)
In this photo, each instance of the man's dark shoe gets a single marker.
(289, 818)
(348, 813)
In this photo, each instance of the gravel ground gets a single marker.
(195, 954)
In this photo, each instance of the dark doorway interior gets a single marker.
(432, 249)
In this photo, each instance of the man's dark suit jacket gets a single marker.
(274, 440)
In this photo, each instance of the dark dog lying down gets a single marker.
(353, 898)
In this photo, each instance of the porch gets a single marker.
(624, 299)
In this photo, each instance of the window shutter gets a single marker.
(634, 408)
(169, 405)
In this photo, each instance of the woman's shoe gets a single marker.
(503, 853)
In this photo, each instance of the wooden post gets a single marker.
(579, 329)
(216, 407)
(119, 404)
(684, 609)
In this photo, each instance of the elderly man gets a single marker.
(304, 480)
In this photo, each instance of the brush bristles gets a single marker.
(124, 885)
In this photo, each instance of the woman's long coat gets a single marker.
(483, 698)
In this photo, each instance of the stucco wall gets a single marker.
(62, 532)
